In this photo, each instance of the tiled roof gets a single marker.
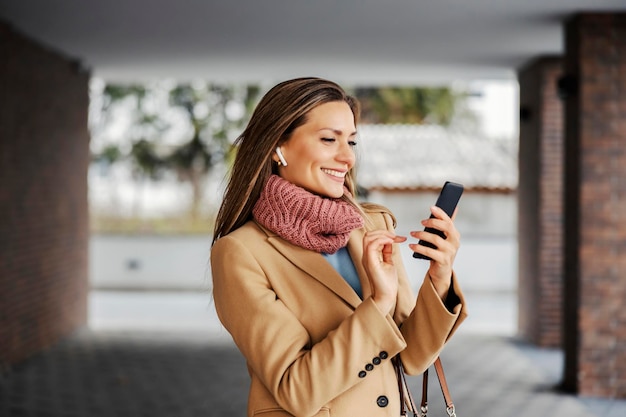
(424, 156)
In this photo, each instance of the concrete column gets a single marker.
(595, 205)
(540, 191)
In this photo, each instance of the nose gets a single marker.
(346, 154)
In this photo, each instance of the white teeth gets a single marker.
(334, 173)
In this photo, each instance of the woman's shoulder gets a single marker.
(248, 232)
(377, 214)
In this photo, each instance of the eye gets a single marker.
(329, 140)
(352, 143)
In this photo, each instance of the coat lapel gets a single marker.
(315, 265)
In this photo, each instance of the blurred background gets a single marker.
(160, 152)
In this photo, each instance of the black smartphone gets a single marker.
(448, 199)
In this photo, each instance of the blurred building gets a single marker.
(404, 166)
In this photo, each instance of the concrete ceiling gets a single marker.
(350, 41)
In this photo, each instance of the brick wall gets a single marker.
(43, 196)
(595, 245)
(540, 204)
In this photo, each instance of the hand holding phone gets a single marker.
(447, 201)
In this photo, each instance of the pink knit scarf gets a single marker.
(305, 219)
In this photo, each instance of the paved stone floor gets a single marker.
(109, 374)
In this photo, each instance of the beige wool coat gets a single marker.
(312, 346)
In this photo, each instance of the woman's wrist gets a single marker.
(383, 304)
(442, 286)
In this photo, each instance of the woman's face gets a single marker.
(320, 152)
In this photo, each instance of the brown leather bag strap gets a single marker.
(424, 402)
(403, 388)
(398, 368)
(444, 388)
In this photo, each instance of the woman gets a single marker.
(309, 283)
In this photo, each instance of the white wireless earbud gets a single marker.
(281, 158)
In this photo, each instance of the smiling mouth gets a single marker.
(333, 173)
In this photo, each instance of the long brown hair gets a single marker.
(283, 109)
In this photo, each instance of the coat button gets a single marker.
(369, 367)
(382, 401)
(362, 374)
(376, 361)
(383, 355)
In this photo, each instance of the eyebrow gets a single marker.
(337, 131)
